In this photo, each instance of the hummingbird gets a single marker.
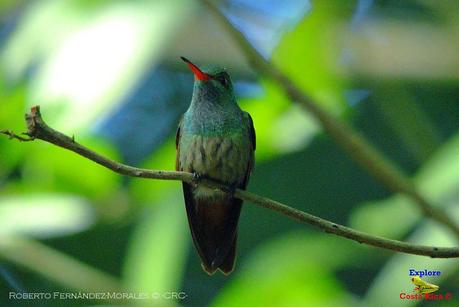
(215, 140)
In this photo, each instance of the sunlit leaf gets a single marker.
(94, 55)
(52, 168)
(290, 271)
(11, 109)
(310, 54)
(157, 251)
(44, 215)
(152, 191)
(438, 180)
(280, 126)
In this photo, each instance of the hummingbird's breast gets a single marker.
(215, 142)
(222, 158)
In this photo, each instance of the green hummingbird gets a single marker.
(215, 140)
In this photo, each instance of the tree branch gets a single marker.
(379, 166)
(38, 129)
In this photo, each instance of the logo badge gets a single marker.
(424, 290)
(423, 287)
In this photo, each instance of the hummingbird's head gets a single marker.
(212, 83)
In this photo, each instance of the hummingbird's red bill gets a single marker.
(195, 69)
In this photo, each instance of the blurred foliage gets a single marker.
(292, 270)
(103, 72)
(310, 53)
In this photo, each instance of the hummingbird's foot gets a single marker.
(196, 178)
(229, 189)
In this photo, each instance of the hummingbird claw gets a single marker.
(196, 177)
(229, 189)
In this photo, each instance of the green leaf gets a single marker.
(287, 270)
(151, 192)
(90, 57)
(408, 121)
(51, 168)
(310, 54)
(280, 126)
(437, 180)
(158, 249)
(11, 118)
(44, 215)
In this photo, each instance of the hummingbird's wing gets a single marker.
(253, 142)
(253, 138)
(228, 264)
(178, 135)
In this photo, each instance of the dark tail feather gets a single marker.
(228, 264)
(213, 227)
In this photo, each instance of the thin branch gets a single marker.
(38, 129)
(12, 135)
(379, 166)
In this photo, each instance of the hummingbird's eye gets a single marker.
(223, 80)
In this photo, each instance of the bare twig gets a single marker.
(12, 135)
(379, 166)
(38, 129)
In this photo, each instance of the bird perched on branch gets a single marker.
(215, 140)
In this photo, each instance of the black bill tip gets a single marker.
(184, 59)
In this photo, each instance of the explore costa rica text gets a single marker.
(425, 272)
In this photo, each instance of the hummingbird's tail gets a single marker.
(213, 226)
(228, 264)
